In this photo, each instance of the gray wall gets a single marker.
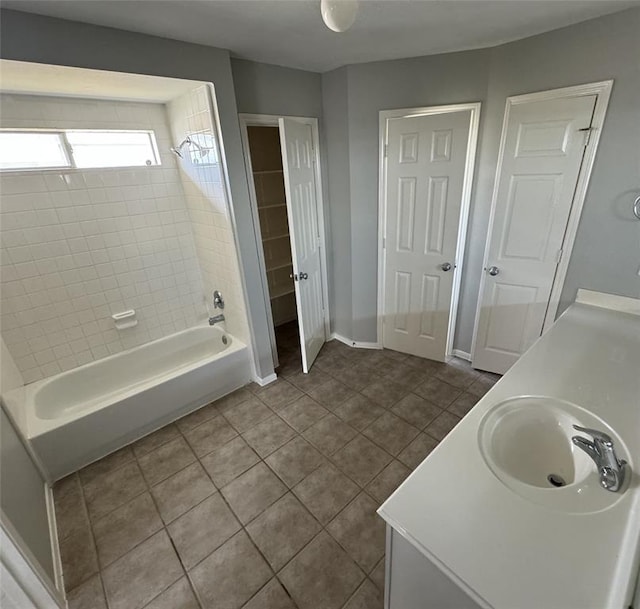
(22, 497)
(606, 253)
(28, 37)
(262, 88)
(336, 144)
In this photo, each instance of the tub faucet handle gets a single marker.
(218, 301)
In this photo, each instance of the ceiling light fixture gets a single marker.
(339, 15)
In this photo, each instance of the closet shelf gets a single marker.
(272, 205)
(276, 237)
(279, 266)
(263, 171)
(281, 292)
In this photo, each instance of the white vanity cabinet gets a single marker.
(414, 582)
(467, 532)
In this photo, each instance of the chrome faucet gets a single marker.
(610, 469)
(216, 319)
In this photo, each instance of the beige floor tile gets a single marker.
(125, 527)
(79, 559)
(361, 460)
(139, 576)
(367, 596)
(233, 399)
(279, 394)
(108, 492)
(313, 378)
(303, 413)
(229, 461)
(325, 492)
(417, 451)
(71, 512)
(416, 410)
(271, 596)
(329, 434)
(253, 492)
(357, 377)
(407, 376)
(96, 471)
(331, 394)
(88, 595)
(294, 461)
(378, 575)
(180, 492)
(322, 576)
(391, 433)
(387, 481)
(155, 440)
(212, 434)
(245, 415)
(360, 531)
(442, 425)
(359, 411)
(178, 596)
(202, 530)
(269, 435)
(282, 530)
(230, 576)
(460, 375)
(463, 404)
(438, 392)
(166, 460)
(385, 392)
(198, 417)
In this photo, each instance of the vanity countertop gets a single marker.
(510, 553)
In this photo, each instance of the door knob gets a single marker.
(445, 266)
(493, 270)
(294, 276)
(304, 276)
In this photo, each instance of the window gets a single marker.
(32, 150)
(82, 149)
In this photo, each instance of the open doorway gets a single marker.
(284, 182)
(268, 182)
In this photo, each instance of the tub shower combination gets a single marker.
(79, 416)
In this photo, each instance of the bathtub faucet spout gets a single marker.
(215, 319)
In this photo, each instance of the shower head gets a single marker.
(177, 150)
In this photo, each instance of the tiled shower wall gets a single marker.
(209, 212)
(81, 245)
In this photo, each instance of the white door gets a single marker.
(543, 148)
(298, 159)
(425, 170)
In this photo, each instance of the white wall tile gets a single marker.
(81, 245)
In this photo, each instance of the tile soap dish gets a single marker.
(125, 319)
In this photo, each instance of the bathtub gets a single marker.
(79, 416)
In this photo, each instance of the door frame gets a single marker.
(271, 120)
(603, 91)
(467, 184)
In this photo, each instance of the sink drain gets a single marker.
(556, 480)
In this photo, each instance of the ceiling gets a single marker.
(291, 32)
(42, 79)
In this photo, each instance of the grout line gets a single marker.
(262, 459)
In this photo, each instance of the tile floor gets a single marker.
(265, 499)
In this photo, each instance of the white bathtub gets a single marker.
(76, 417)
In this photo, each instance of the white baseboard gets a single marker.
(266, 380)
(53, 531)
(354, 343)
(461, 354)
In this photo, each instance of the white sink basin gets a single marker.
(526, 443)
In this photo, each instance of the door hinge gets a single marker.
(384, 243)
(559, 256)
(386, 150)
